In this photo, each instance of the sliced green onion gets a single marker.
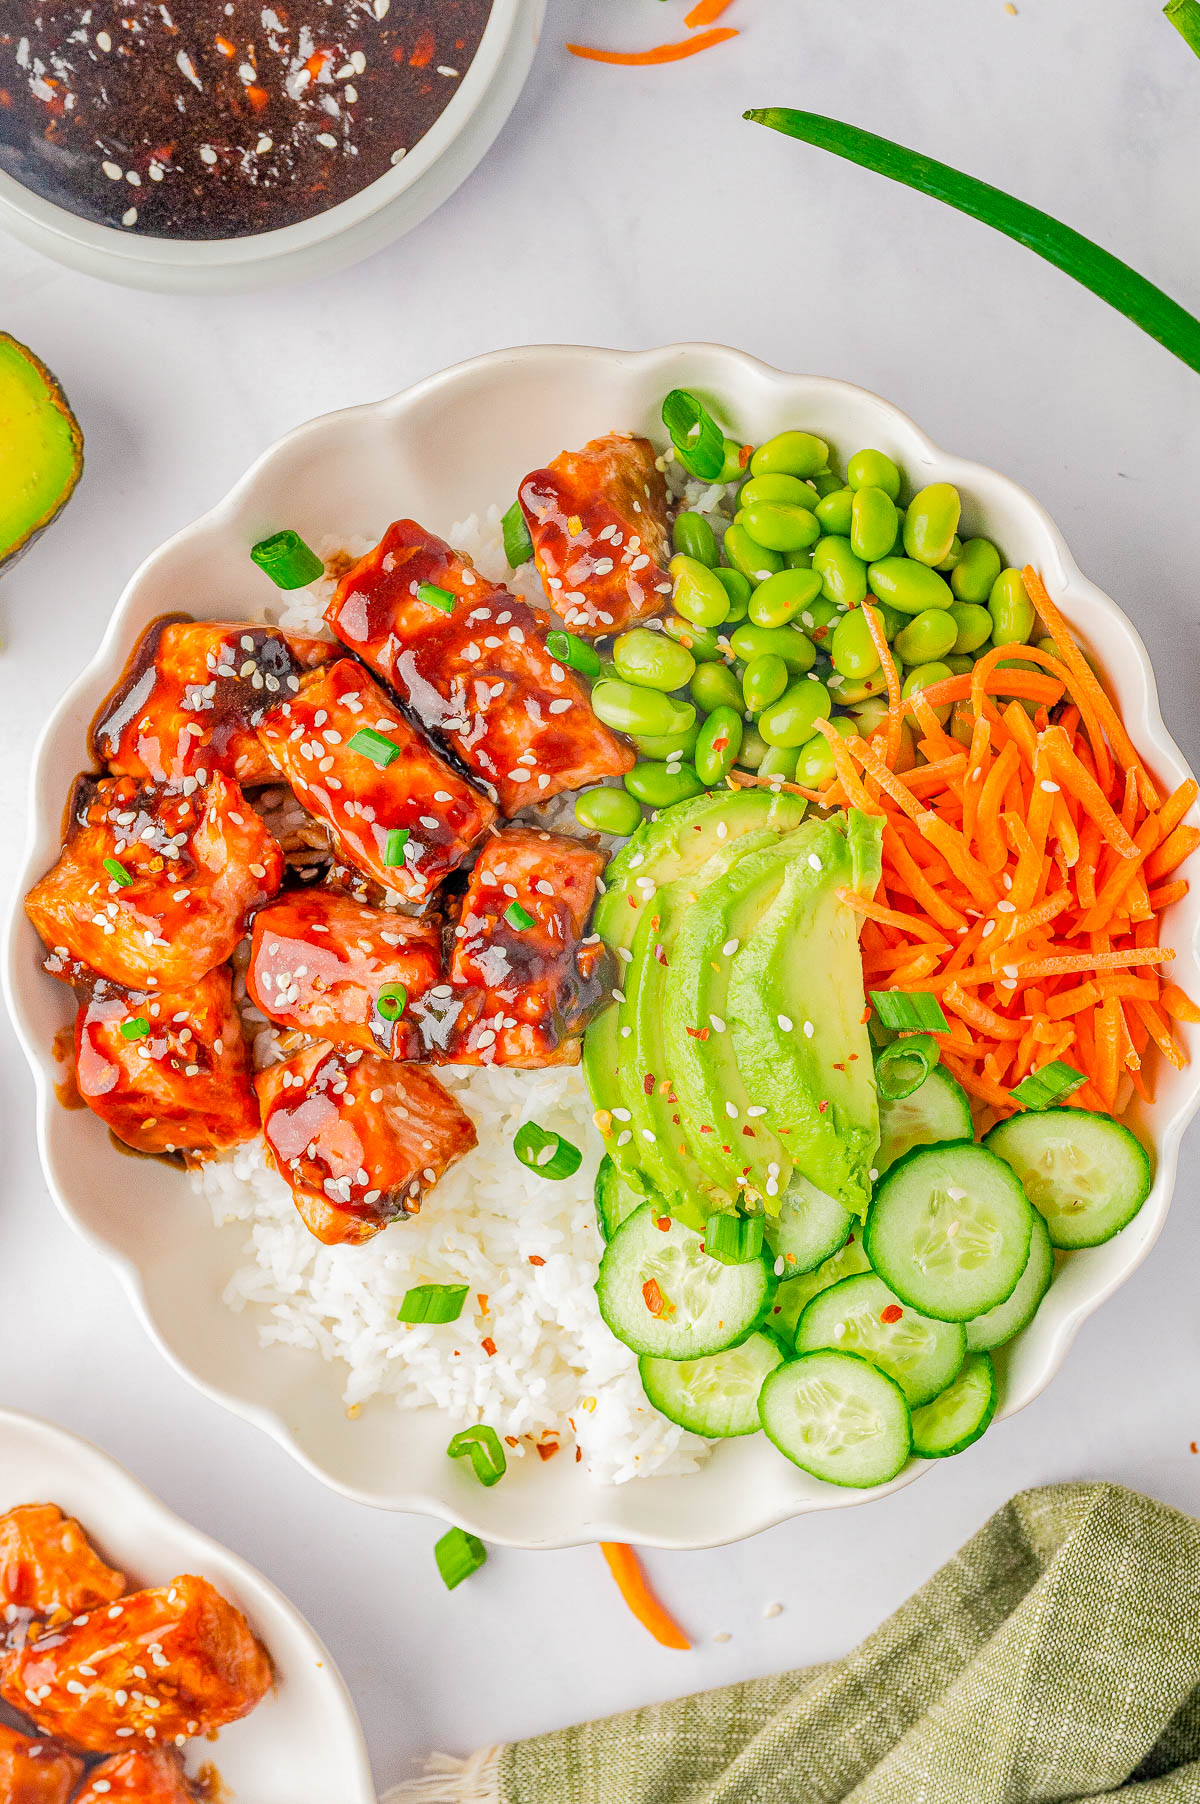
(437, 598)
(698, 440)
(518, 546)
(433, 1303)
(458, 1555)
(903, 1066)
(1097, 269)
(390, 1001)
(376, 746)
(546, 1152)
(1185, 17)
(394, 844)
(1042, 1089)
(287, 560)
(482, 1446)
(733, 1239)
(118, 873)
(518, 917)
(136, 1028)
(577, 654)
(908, 1013)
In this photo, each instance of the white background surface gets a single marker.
(629, 208)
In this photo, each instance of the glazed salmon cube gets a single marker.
(601, 539)
(154, 886)
(358, 1138)
(520, 951)
(48, 1565)
(192, 696)
(139, 1777)
(474, 669)
(325, 965)
(177, 1660)
(167, 1070)
(393, 807)
(34, 1770)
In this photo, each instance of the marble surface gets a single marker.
(632, 207)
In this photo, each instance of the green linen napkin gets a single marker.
(1055, 1658)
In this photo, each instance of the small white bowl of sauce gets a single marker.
(195, 147)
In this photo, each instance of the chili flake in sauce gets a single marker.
(222, 118)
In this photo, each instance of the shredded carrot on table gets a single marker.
(704, 12)
(626, 1568)
(661, 53)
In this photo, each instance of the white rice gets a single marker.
(558, 1375)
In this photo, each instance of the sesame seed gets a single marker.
(785, 1023)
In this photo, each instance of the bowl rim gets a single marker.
(1059, 569)
(198, 1551)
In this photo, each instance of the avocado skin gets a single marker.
(29, 392)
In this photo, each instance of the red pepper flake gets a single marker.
(655, 923)
(659, 952)
(481, 1297)
(512, 1440)
(224, 46)
(745, 453)
(821, 1107)
(839, 1066)
(489, 1347)
(663, 1223)
(423, 50)
(705, 1129)
(654, 1300)
(316, 63)
(648, 1084)
(578, 1454)
(258, 98)
(632, 901)
(892, 1313)
(546, 1449)
(536, 1259)
(720, 744)
(698, 1033)
(1193, 1448)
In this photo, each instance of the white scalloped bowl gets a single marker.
(303, 1741)
(456, 443)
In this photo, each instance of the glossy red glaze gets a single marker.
(319, 960)
(309, 740)
(183, 1086)
(192, 695)
(138, 1777)
(480, 676)
(532, 989)
(598, 521)
(34, 1770)
(199, 862)
(48, 1566)
(359, 1139)
(182, 1645)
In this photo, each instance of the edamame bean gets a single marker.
(715, 686)
(908, 586)
(826, 482)
(778, 488)
(950, 561)
(843, 575)
(958, 662)
(662, 785)
(814, 761)
(796, 650)
(783, 596)
(793, 718)
(835, 512)
(668, 748)
(873, 470)
(737, 588)
(1011, 610)
(928, 635)
(798, 560)
(924, 677)
(849, 691)
(931, 522)
(892, 619)
(652, 660)
(869, 715)
(872, 523)
(701, 641)
(779, 526)
(973, 625)
(699, 595)
(851, 647)
(790, 454)
(719, 744)
(608, 811)
(693, 537)
(629, 709)
(745, 554)
(819, 619)
(763, 681)
(754, 748)
(962, 722)
(780, 761)
(976, 571)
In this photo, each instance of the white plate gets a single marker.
(453, 444)
(303, 1744)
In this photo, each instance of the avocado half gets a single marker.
(41, 448)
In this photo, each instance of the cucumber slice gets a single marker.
(663, 1296)
(855, 1316)
(617, 1195)
(938, 1109)
(1000, 1324)
(949, 1230)
(960, 1415)
(838, 1417)
(795, 1294)
(1085, 1173)
(717, 1397)
(809, 1228)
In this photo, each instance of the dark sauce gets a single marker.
(222, 118)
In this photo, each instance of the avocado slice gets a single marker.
(673, 843)
(41, 448)
(796, 1009)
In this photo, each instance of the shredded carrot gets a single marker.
(892, 917)
(895, 716)
(856, 795)
(1099, 961)
(626, 1568)
(661, 53)
(704, 12)
(1176, 806)
(1179, 1004)
(1170, 855)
